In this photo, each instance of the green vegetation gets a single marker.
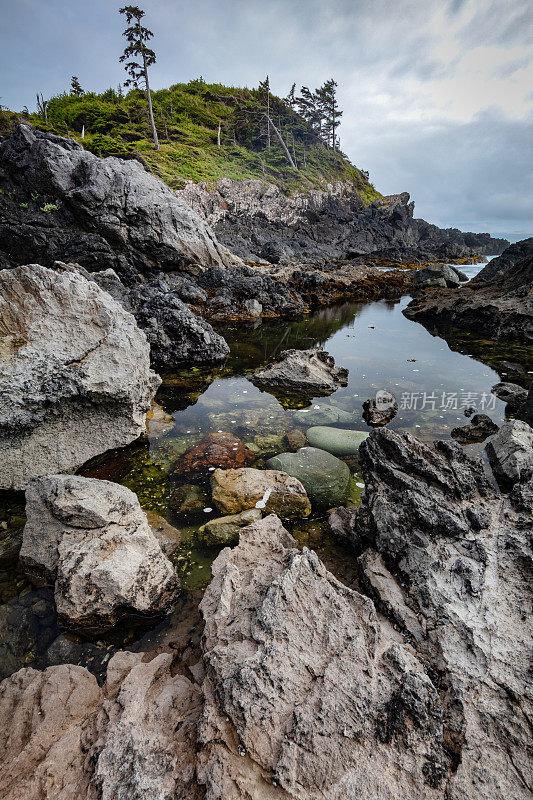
(188, 118)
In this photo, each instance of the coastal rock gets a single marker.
(294, 439)
(379, 410)
(323, 415)
(225, 530)
(477, 430)
(188, 499)
(63, 737)
(110, 213)
(525, 412)
(448, 564)
(510, 452)
(498, 267)
(91, 538)
(223, 450)
(339, 441)
(435, 275)
(324, 477)
(272, 491)
(75, 377)
(310, 373)
(307, 696)
(510, 393)
(501, 308)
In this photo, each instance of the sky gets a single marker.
(437, 94)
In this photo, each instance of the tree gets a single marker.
(75, 87)
(290, 100)
(332, 114)
(264, 90)
(137, 36)
(42, 106)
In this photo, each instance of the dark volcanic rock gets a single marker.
(380, 411)
(499, 267)
(477, 431)
(301, 373)
(105, 212)
(515, 396)
(255, 219)
(510, 452)
(501, 308)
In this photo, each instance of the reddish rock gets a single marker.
(223, 450)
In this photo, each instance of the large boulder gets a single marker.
(65, 738)
(498, 267)
(93, 540)
(437, 275)
(339, 441)
(510, 452)
(301, 373)
(225, 530)
(448, 562)
(272, 491)
(75, 377)
(107, 212)
(324, 477)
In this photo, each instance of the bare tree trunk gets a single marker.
(285, 148)
(150, 111)
(218, 135)
(268, 117)
(83, 131)
(294, 151)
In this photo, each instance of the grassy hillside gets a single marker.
(187, 118)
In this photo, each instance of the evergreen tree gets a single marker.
(75, 87)
(332, 113)
(290, 100)
(137, 36)
(264, 91)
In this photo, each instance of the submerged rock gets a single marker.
(476, 431)
(324, 477)
(510, 452)
(272, 491)
(310, 373)
(515, 396)
(91, 538)
(225, 530)
(188, 499)
(75, 378)
(223, 450)
(325, 415)
(339, 441)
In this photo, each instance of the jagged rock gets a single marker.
(339, 441)
(449, 564)
(309, 373)
(111, 212)
(510, 452)
(498, 267)
(501, 308)
(91, 538)
(28, 625)
(252, 217)
(226, 530)
(223, 450)
(245, 291)
(75, 376)
(324, 477)
(510, 393)
(65, 738)
(525, 412)
(236, 490)
(476, 431)
(307, 696)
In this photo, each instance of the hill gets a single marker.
(188, 118)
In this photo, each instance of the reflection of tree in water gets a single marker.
(254, 346)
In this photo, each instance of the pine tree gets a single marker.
(137, 36)
(290, 100)
(75, 87)
(332, 114)
(264, 90)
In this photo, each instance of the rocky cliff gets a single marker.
(254, 219)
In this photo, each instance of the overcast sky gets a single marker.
(437, 94)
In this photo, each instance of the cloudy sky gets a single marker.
(437, 94)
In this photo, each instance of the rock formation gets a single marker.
(236, 490)
(301, 373)
(75, 376)
(498, 267)
(91, 538)
(256, 221)
(324, 477)
(221, 450)
(510, 452)
(108, 212)
(501, 308)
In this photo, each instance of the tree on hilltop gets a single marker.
(75, 87)
(137, 36)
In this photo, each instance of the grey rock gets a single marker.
(324, 415)
(510, 393)
(253, 307)
(225, 530)
(498, 267)
(510, 452)
(381, 410)
(437, 275)
(525, 412)
(310, 373)
(476, 431)
(339, 441)
(271, 491)
(324, 477)
(91, 538)
(112, 212)
(75, 377)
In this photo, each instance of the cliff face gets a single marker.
(254, 219)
